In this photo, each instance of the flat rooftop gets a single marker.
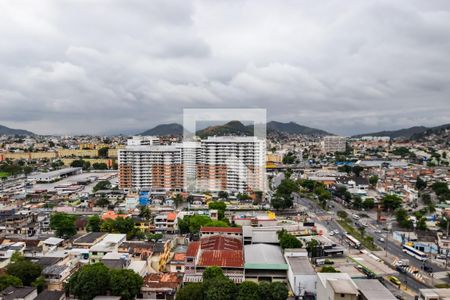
(264, 256)
(372, 289)
(300, 265)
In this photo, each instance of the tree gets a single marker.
(441, 190)
(24, 269)
(213, 273)
(362, 231)
(420, 184)
(39, 283)
(99, 166)
(125, 283)
(178, 199)
(94, 223)
(103, 201)
(220, 206)
(289, 158)
(223, 195)
(154, 236)
(248, 290)
(9, 280)
(220, 288)
(312, 247)
(192, 224)
(264, 290)
(403, 218)
(90, 281)
(144, 212)
(368, 203)
(401, 151)
(357, 202)
(345, 169)
(102, 185)
(288, 241)
(426, 198)
(63, 224)
(279, 291)
(342, 214)
(329, 269)
(391, 202)
(373, 180)
(357, 170)
(191, 291)
(103, 152)
(80, 163)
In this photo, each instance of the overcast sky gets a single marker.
(120, 66)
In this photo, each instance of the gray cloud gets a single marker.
(344, 66)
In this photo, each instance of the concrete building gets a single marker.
(334, 286)
(234, 164)
(301, 275)
(372, 289)
(434, 294)
(332, 144)
(54, 175)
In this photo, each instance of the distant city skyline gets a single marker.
(345, 67)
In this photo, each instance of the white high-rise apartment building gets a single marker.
(332, 144)
(234, 164)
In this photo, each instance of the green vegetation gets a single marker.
(420, 184)
(283, 194)
(220, 206)
(26, 271)
(366, 241)
(391, 202)
(9, 280)
(93, 224)
(121, 225)
(328, 269)
(288, 241)
(99, 166)
(80, 163)
(102, 185)
(63, 224)
(401, 151)
(373, 180)
(192, 224)
(441, 190)
(95, 280)
(216, 286)
(290, 158)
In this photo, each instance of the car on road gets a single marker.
(395, 280)
(381, 239)
(356, 217)
(336, 231)
(331, 233)
(377, 231)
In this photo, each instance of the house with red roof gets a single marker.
(218, 250)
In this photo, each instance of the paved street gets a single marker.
(394, 249)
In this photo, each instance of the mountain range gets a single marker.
(416, 132)
(237, 128)
(11, 131)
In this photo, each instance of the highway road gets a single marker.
(392, 247)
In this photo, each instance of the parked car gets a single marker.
(381, 239)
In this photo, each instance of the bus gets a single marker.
(353, 241)
(414, 252)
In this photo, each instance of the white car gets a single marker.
(336, 231)
(331, 233)
(381, 239)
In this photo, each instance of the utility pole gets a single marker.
(389, 226)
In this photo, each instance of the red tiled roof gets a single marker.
(217, 242)
(179, 256)
(192, 249)
(171, 216)
(222, 258)
(161, 280)
(221, 229)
